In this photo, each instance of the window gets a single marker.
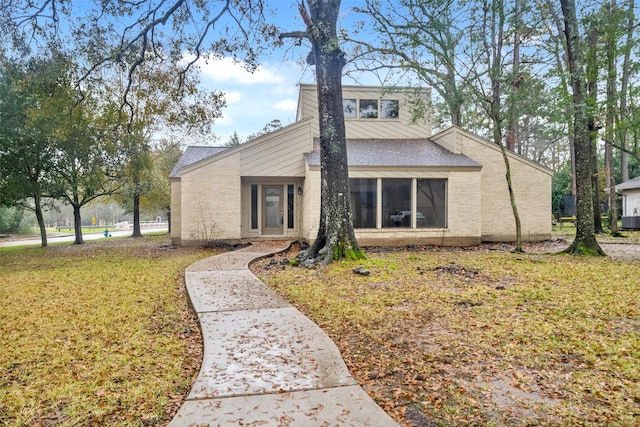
(368, 108)
(349, 108)
(389, 109)
(254, 206)
(396, 202)
(364, 202)
(290, 205)
(431, 203)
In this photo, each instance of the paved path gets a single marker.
(265, 363)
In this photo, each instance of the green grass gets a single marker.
(95, 334)
(483, 337)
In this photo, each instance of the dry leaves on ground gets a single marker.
(481, 336)
(96, 334)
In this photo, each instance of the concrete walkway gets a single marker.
(265, 363)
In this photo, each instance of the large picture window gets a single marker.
(431, 203)
(364, 203)
(396, 202)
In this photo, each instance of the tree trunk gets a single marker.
(592, 96)
(77, 224)
(512, 197)
(585, 239)
(610, 168)
(624, 83)
(136, 210)
(336, 237)
(494, 52)
(512, 128)
(40, 218)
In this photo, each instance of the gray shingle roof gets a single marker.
(629, 185)
(194, 154)
(397, 152)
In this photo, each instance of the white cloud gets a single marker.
(225, 70)
(232, 97)
(286, 105)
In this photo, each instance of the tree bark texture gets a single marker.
(136, 208)
(77, 224)
(40, 218)
(336, 237)
(610, 169)
(585, 239)
(592, 95)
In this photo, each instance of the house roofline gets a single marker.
(246, 145)
(492, 145)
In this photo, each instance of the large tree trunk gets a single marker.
(592, 96)
(585, 239)
(336, 238)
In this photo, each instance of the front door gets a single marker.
(272, 211)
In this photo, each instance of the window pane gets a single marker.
(389, 109)
(363, 202)
(254, 206)
(368, 108)
(396, 202)
(349, 107)
(290, 206)
(432, 203)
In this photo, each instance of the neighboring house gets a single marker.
(630, 191)
(270, 187)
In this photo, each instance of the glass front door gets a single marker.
(273, 214)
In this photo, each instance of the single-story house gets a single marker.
(630, 191)
(269, 187)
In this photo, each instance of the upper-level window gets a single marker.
(371, 108)
(349, 107)
(389, 109)
(368, 108)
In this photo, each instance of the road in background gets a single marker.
(70, 237)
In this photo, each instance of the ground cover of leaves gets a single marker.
(96, 334)
(481, 336)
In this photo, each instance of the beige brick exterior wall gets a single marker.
(211, 202)
(176, 215)
(531, 184)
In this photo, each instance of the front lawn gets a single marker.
(96, 334)
(481, 336)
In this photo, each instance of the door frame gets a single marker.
(264, 230)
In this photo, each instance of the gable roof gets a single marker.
(397, 152)
(194, 154)
(632, 184)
